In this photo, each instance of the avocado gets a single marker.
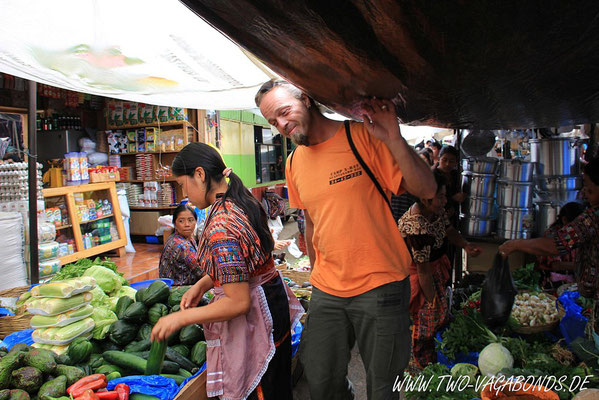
(4, 394)
(9, 364)
(73, 374)
(54, 388)
(42, 360)
(18, 394)
(28, 379)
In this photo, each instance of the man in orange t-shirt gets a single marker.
(361, 290)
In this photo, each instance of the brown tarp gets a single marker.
(455, 64)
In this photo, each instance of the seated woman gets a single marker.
(426, 229)
(179, 258)
(562, 263)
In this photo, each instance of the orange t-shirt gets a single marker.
(356, 240)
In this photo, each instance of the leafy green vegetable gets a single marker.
(106, 278)
(103, 318)
(527, 278)
(436, 375)
(126, 291)
(465, 334)
(100, 297)
(77, 269)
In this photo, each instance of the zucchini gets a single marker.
(185, 373)
(156, 357)
(183, 362)
(141, 396)
(126, 361)
(136, 347)
(178, 378)
(169, 367)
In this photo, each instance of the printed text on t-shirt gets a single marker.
(345, 174)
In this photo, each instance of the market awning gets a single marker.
(154, 51)
(485, 64)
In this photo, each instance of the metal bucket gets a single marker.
(547, 213)
(516, 170)
(475, 226)
(516, 219)
(480, 165)
(482, 207)
(511, 235)
(558, 183)
(556, 156)
(561, 198)
(514, 194)
(478, 185)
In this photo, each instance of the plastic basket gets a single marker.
(145, 284)
(573, 324)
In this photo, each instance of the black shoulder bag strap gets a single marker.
(364, 166)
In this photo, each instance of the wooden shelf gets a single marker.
(171, 179)
(92, 251)
(63, 227)
(150, 125)
(152, 208)
(97, 219)
(146, 152)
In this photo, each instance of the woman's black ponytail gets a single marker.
(196, 155)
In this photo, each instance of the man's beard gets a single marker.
(300, 139)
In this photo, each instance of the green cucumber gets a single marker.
(169, 367)
(178, 378)
(126, 361)
(156, 358)
(135, 347)
(185, 373)
(183, 362)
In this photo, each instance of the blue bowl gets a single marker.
(145, 284)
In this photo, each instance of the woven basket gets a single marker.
(298, 277)
(11, 324)
(530, 330)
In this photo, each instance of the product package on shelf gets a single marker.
(114, 160)
(150, 196)
(12, 267)
(14, 182)
(144, 166)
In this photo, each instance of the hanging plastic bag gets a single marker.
(497, 294)
(294, 250)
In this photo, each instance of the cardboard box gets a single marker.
(195, 389)
(144, 222)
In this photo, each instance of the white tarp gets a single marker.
(149, 51)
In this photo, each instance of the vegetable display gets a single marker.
(533, 309)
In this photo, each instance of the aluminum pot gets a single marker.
(475, 226)
(547, 213)
(556, 156)
(480, 165)
(479, 206)
(558, 183)
(478, 185)
(516, 219)
(514, 194)
(511, 235)
(516, 170)
(560, 197)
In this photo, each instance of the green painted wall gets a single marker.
(244, 166)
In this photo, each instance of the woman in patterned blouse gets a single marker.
(426, 229)
(248, 323)
(581, 234)
(179, 258)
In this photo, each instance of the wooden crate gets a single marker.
(195, 389)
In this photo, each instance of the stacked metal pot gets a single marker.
(558, 179)
(515, 199)
(478, 210)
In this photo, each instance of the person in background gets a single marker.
(179, 258)
(360, 263)
(561, 263)
(249, 320)
(448, 162)
(427, 155)
(426, 228)
(581, 234)
(436, 148)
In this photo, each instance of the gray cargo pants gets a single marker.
(379, 320)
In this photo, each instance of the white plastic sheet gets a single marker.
(150, 51)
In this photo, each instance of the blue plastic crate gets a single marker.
(145, 284)
(152, 240)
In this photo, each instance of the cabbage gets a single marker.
(493, 359)
(464, 369)
(105, 278)
(99, 297)
(103, 318)
(126, 291)
(111, 303)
